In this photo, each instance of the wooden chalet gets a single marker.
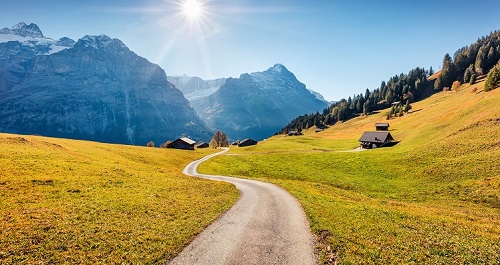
(247, 142)
(182, 143)
(382, 126)
(202, 145)
(371, 140)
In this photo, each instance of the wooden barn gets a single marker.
(382, 126)
(202, 145)
(371, 140)
(182, 143)
(247, 142)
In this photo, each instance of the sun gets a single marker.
(193, 9)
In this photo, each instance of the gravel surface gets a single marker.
(266, 226)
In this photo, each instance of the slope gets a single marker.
(79, 202)
(432, 198)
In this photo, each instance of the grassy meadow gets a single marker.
(67, 201)
(434, 198)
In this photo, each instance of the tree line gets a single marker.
(467, 64)
(403, 88)
(470, 62)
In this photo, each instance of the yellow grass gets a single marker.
(67, 201)
(434, 198)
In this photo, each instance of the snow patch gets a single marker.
(34, 43)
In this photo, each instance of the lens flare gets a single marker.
(193, 9)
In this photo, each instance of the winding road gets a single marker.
(265, 226)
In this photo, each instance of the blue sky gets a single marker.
(338, 48)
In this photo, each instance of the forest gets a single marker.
(468, 64)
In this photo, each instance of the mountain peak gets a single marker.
(98, 42)
(279, 67)
(24, 30)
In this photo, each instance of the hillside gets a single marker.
(432, 198)
(78, 202)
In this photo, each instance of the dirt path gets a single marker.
(265, 226)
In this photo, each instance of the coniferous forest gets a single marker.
(467, 65)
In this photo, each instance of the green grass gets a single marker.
(432, 199)
(66, 201)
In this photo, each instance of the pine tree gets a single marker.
(447, 73)
(472, 79)
(468, 73)
(480, 62)
(493, 78)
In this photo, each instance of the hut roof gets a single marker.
(187, 140)
(376, 137)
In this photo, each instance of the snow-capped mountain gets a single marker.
(94, 89)
(23, 30)
(257, 105)
(195, 88)
(29, 39)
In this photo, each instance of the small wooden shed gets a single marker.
(382, 126)
(247, 142)
(182, 143)
(293, 133)
(202, 145)
(371, 140)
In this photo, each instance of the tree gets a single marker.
(437, 84)
(431, 72)
(447, 73)
(219, 140)
(480, 62)
(493, 78)
(468, 73)
(472, 79)
(150, 144)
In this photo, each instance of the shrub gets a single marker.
(150, 144)
(455, 86)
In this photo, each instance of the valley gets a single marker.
(432, 198)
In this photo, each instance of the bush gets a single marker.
(455, 86)
(150, 144)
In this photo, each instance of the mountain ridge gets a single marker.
(97, 89)
(255, 105)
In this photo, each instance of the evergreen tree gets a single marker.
(447, 73)
(437, 84)
(468, 73)
(480, 62)
(472, 79)
(431, 72)
(493, 78)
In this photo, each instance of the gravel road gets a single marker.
(266, 226)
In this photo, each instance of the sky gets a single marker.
(338, 47)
